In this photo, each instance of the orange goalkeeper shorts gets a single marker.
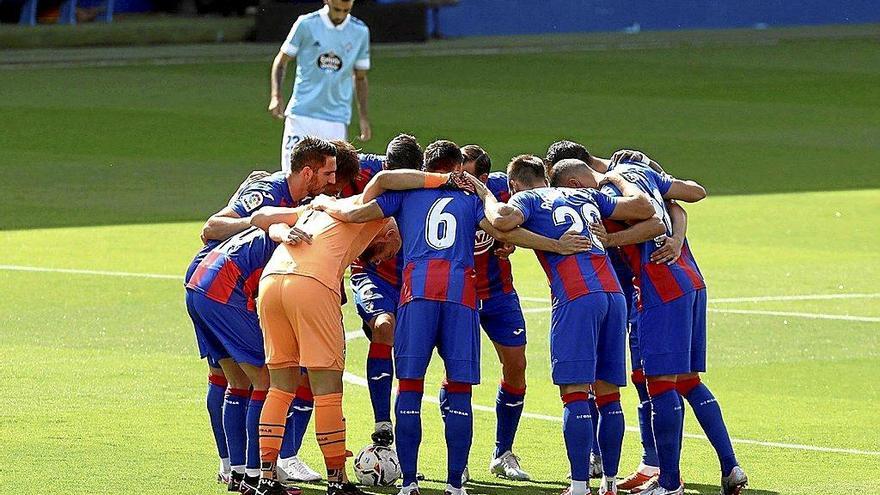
(301, 320)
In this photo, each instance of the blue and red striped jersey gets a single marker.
(271, 191)
(391, 270)
(494, 274)
(658, 283)
(230, 273)
(553, 211)
(438, 228)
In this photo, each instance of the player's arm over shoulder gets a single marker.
(350, 210)
(506, 216)
(689, 191)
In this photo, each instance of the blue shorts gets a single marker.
(452, 328)
(373, 296)
(588, 339)
(635, 354)
(672, 336)
(224, 331)
(502, 319)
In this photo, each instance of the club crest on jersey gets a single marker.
(329, 62)
(484, 242)
(252, 201)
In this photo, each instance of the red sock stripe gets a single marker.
(638, 376)
(379, 351)
(411, 385)
(304, 393)
(258, 395)
(658, 387)
(604, 400)
(458, 388)
(684, 387)
(240, 392)
(218, 380)
(510, 389)
(573, 397)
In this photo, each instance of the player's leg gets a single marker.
(293, 134)
(214, 401)
(414, 341)
(610, 376)
(459, 347)
(290, 466)
(573, 326)
(376, 303)
(665, 346)
(318, 327)
(502, 319)
(704, 405)
(235, 408)
(596, 453)
(217, 383)
(282, 359)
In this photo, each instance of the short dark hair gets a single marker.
(481, 159)
(348, 164)
(404, 151)
(310, 152)
(526, 169)
(565, 169)
(560, 150)
(442, 156)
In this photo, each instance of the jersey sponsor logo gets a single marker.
(329, 62)
(484, 242)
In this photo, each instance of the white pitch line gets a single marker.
(794, 314)
(19, 268)
(805, 297)
(362, 382)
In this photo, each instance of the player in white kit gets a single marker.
(332, 53)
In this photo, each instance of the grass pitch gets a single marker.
(110, 170)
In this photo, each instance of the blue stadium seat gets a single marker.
(28, 15)
(67, 14)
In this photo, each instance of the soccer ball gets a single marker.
(377, 466)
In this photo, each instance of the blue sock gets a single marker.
(649, 450)
(234, 424)
(708, 413)
(214, 401)
(577, 429)
(594, 413)
(380, 373)
(508, 409)
(408, 428)
(444, 405)
(255, 407)
(611, 428)
(666, 422)
(459, 431)
(298, 418)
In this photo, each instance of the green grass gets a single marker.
(114, 168)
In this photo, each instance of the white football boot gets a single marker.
(735, 482)
(293, 469)
(411, 489)
(507, 466)
(608, 486)
(654, 488)
(596, 470)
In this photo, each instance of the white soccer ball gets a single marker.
(377, 466)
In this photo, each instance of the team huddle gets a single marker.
(427, 235)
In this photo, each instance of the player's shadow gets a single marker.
(481, 487)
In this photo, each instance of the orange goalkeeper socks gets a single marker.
(272, 421)
(330, 430)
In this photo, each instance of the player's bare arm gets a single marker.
(671, 249)
(688, 191)
(569, 243)
(501, 216)
(276, 81)
(277, 222)
(634, 234)
(362, 89)
(223, 225)
(633, 204)
(400, 180)
(348, 210)
(624, 156)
